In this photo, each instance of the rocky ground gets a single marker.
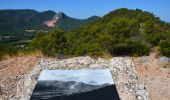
(140, 78)
(11, 71)
(155, 78)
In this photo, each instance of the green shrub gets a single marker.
(121, 32)
(164, 47)
(139, 48)
(51, 44)
(80, 50)
(132, 48)
(7, 50)
(94, 49)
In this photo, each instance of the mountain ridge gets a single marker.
(17, 20)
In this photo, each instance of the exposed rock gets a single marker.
(142, 60)
(11, 74)
(126, 79)
(164, 60)
(54, 20)
(26, 84)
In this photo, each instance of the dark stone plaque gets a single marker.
(75, 85)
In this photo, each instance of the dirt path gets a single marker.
(155, 78)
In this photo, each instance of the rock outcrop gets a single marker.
(54, 20)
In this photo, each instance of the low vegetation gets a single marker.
(121, 32)
(7, 51)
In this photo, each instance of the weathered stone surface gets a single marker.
(122, 69)
(164, 60)
(143, 60)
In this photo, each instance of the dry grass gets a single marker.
(107, 56)
(35, 53)
(165, 65)
(5, 56)
(156, 51)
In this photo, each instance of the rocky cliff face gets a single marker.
(122, 69)
(54, 20)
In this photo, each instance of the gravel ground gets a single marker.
(155, 78)
(11, 71)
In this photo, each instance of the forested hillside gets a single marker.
(19, 26)
(122, 32)
(118, 33)
(16, 21)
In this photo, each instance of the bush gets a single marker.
(132, 48)
(39, 42)
(51, 44)
(7, 50)
(121, 32)
(94, 49)
(164, 48)
(139, 48)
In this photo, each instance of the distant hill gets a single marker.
(68, 23)
(19, 26)
(17, 21)
(122, 32)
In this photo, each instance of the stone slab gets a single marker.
(75, 85)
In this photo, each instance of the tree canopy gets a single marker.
(121, 32)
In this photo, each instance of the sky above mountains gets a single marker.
(86, 8)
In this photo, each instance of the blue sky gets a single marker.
(86, 8)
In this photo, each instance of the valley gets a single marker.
(16, 26)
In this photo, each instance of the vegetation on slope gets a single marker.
(121, 32)
(16, 21)
(19, 26)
